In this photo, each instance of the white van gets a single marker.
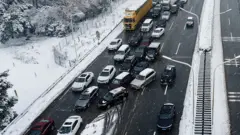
(147, 25)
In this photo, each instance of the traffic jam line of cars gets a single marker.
(134, 72)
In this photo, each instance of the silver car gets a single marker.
(166, 15)
(144, 78)
(121, 53)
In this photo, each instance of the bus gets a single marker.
(135, 12)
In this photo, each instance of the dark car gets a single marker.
(161, 23)
(190, 22)
(136, 39)
(174, 9)
(128, 64)
(166, 117)
(156, 10)
(140, 52)
(140, 66)
(113, 97)
(123, 79)
(179, 3)
(168, 76)
(43, 127)
(146, 41)
(86, 98)
(153, 51)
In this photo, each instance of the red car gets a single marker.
(43, 127)
(146, 41)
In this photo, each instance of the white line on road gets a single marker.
(235, 60)
(229, 21)
(171, 26)
(191, 9)
(184, 27)
(233, 92)
(165, 92)
(64, 94)
(161, 47)
(143, 90)
(233, 96)
(234, 100)
(154, 133)
(231, 35)
(179, 44)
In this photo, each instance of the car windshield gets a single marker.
(35, 132)
(145, 40)
(84, 97)
(165, 116)
(189, 20)
(121, 52)
(108, 96)
(104, 73)
(139, 49)
(140, 77)
(165, 13)
(80, 80)
(115, 81)
(113, 43)
(145, 24)
(165, 112)
(157, 30)
(64, 130)
(151, 51)
(126, 65)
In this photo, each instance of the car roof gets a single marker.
(108, 67)
(147, 20)
(122, 75)
(190, 18)
(130, 57)
(123, 47)
(89, 90)
(83, 75)
(146, 71)
(117, 90)
(41, 123)
(169, 67)
(159, 28)
(154, 45)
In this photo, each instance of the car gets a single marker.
(136, 39)
(70, 126)
(158, 32)
(147, 25)
(179, 3)
(166, 117)
(156, 10)
(190, 22)
(174, 9)
(113, 97)
(146, 40)
(82, 81)
(144, 78)
(86, 98)
(166, 15)
(43, 127)
(128, 64)
(115, 44)
(139, 67)
(161, 23)
(106, 75)
(152, 51)
(121, 53)
(140, 52)
(168, 76)
(123, 79)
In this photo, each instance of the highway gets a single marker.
(230, 38)
(139, 113)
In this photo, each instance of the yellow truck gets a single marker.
(135, 12)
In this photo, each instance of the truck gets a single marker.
(135, 12)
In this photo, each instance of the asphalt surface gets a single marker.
(139, 113)
(230, 35)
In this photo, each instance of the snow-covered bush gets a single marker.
(6, 103)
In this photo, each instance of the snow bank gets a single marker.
(221, 122)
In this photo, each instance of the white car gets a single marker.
(166, 15)
(70, 126)
(158, 32)
(115, 44)
(107, 74)
(147, 25)
(82, 81)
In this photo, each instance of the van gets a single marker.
(153, 51)
(121, 53)
(147, 25)
(123, 79)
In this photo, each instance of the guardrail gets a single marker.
(56, 82)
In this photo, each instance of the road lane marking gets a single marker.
(234, 100)
(235, 60)
(229, 21)
(171, 26)
(233, 92)
(231, 35)
(64, 94)
(143, 90)
(166, 88)
(161, 47)
(179, 44)
(184, 27)
(191, 9)
(154, 133)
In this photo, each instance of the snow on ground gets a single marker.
(31, 63)
(23, 122)
(221, 122)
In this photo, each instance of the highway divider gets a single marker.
(8, 131)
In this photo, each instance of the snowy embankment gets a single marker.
(221, 122)
(205, 41)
